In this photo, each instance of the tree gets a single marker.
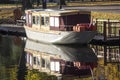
(44, 6)
(26, 4)
(61, 2)
(4, 1)
(38, 3)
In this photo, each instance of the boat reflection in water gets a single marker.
(60, 60)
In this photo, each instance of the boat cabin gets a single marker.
(58, 20)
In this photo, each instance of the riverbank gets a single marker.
(6, 16)
(106, 12)
(97, 3)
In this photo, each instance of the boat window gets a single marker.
(27, 19)
(42, 21)
(54, 21)
(30, 19)
(33, 19)
(31, 59)
(28, 57)
(47, 21)
(34, 58)
(38, 20)
(47, 64)
(43, 62)
(38, 60)
(54, 66)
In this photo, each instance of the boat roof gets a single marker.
(57, 12)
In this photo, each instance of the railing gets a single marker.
(108, 28)
(109, 53)
(77, 27)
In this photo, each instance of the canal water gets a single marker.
(23, 59)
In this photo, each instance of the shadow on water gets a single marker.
(22, 66)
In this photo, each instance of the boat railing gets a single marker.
(78, 27)
(109, 28)
(68, 27)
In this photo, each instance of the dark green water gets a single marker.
(15, 61)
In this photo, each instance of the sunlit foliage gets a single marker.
(36, 75)
(106, 15)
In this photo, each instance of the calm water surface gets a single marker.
(28, 60)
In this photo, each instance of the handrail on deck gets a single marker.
(119, 34)
(108, 28)
(107, 20)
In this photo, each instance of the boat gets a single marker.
(60, 60)
(59, 26)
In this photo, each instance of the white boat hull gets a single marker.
(63, 37)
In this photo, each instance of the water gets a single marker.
(27, 60)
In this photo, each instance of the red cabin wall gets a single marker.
(72, 20)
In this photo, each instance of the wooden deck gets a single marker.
(11, 29)
(108, 32)
(100, 39)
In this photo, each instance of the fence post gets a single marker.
(109, 28)
(96, 22)
(105, 54)
(119, 36)
(104, 31)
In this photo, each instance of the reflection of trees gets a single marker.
(8, 73)
(108, 71)
(107, 68)
(13, 74)
(9, 52)
(5, 51)
(9, 58)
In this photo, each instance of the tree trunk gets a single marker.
(44, 5)
(38, 3)
(26, 4)
(62, 2)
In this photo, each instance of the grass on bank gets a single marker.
(97, 3)
(6, 14)
(9, 5)
(105, 15)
